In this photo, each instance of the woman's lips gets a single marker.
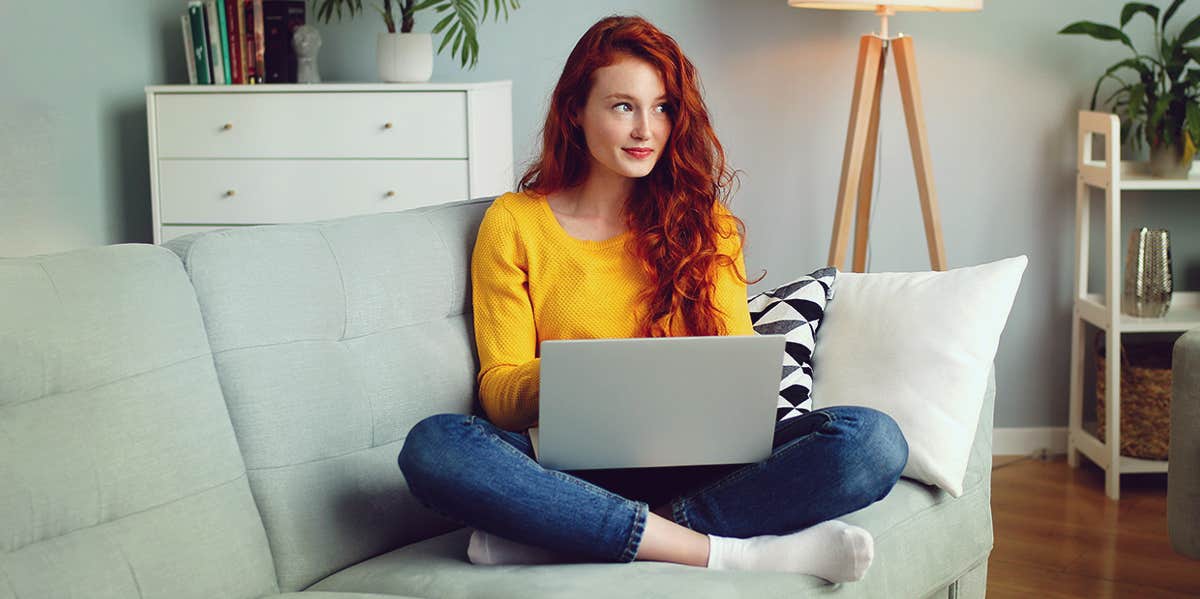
(638, 153)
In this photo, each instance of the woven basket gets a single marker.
(1145, 398)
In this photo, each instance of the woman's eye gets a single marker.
(663, 108)
(623, 106)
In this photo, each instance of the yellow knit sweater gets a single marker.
(531, 281)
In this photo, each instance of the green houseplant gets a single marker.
(407, 56)
(1156, 94)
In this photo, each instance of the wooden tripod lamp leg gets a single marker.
(866, 83)
(910, 92)
(862, 222)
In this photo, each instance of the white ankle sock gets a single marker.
(833, 550)
(494, 550)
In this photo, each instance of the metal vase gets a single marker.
(1147, 274)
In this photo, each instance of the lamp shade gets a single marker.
(896, 5)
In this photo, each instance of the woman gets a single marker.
(620, 230)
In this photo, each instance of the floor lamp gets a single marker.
(858, 161)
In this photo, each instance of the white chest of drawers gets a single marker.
(230, 155)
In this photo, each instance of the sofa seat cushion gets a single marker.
(924, 540)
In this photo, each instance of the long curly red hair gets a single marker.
(672, 211)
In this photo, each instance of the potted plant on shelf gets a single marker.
(1159, 101)
(405, 56)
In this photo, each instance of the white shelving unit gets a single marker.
(1104, 310)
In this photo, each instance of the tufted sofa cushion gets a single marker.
(119, 472)
(331, 340)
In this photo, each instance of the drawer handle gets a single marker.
(390, 194)
(228, 126)
(229, 193)
(387, 125)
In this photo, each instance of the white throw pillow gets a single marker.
(918, 346)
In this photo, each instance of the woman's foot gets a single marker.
(493, 550)
(833, 550)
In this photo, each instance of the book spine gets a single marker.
(248, 41)
(186, 22)
(225, 49)
(274, 36)
(244, 59)
(260, 65)
(214, 42)
(231, 41)
(199, 47)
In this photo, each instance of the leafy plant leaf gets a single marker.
(1170, 12)
(1193, 52)
(1137, 94)
(1160, 106)
(1123, 89)
(442, 24)
(456, 23)
(1144, 72)
(1098, 31)
(1190, 32)
(1134, 8)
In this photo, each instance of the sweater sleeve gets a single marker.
(505, 334)
(730, 296)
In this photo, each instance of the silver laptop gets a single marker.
(668, 401)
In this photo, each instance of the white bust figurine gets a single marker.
(306, 42)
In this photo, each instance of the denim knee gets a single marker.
(424, 452)
(887, 447)
(880, 449)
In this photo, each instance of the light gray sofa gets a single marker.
(222, 419)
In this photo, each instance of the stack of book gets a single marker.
(232, 42)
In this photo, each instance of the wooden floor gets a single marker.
(1058, 535)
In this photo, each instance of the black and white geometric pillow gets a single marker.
(795, 310)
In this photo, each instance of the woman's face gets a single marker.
(626, 120)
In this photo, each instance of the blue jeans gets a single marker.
(824, 464)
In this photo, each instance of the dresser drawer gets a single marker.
(312, 125)
(281, 191)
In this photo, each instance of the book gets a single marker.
(187, 47)
(248, 38)
(260, 66)
(225, 54)
(281, 18)
(212, 21)
(243, 56)
(199, 44)
(274, 15)
(232, 40)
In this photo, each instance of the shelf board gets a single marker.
(1183, 315)
(1136, 175)
(1096, 451)
(1136, 465)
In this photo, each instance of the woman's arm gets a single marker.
(730, 295)
(505, 334)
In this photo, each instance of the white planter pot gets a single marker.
(404, 57)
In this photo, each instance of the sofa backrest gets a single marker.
(331, 340)
(120, 475)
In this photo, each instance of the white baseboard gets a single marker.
(1023, 441)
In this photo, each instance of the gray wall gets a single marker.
(1000, 91)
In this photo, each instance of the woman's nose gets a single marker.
(641, 126)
